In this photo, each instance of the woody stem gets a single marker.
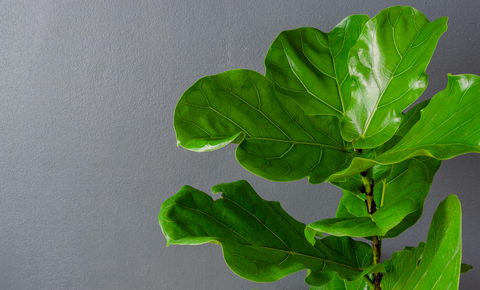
(376, 243)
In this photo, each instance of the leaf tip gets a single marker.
(216, 189)
(452, 198)
(310, 235)
(465, 268)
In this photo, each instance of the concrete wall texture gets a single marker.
(88, 150)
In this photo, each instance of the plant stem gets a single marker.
(376, 243)
(377, 247)
(377, 252)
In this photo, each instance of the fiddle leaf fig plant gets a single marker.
(333, 107)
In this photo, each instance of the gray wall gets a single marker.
(88, 150)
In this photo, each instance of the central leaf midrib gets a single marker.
(264, 247)
(298, 142)
(391, 78)
(262, 223)
(290, 250)
(275, 140)
(308, 256)
(335, 68)
(290, 140)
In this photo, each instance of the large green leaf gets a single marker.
(436, 264)
(387, 66)
(310, 66)
(277, 140)
(390, 192)
(260, 241)
(399, 200)
(339, 284)
(448, 126)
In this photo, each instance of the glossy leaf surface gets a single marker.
(276, 139)
(436, 264)
(339, 284)
(348, 178)
(387, 66)
(260, 241)
(409, 119)
(310, 66)
(399, 200)
(449, 125)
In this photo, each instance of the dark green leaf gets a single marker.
(311, 67)
(260, 241)
(436, 264)
(339, 284)
(448, 126)
(387, 66)
(465, 268)
(399, 199)
(277, 140)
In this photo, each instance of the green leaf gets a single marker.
(436, 264)
(449, 125)
(341, 227)
(348, 177)
(351, 206)
(465, 268)
(354, 167)
(277, 141)
(387, 66)
(409, 119)
(260, 241)
(339, 284)
(355, 184)
(399, 200)
(396, 200)
(310, 66)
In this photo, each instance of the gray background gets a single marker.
(88, 150)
